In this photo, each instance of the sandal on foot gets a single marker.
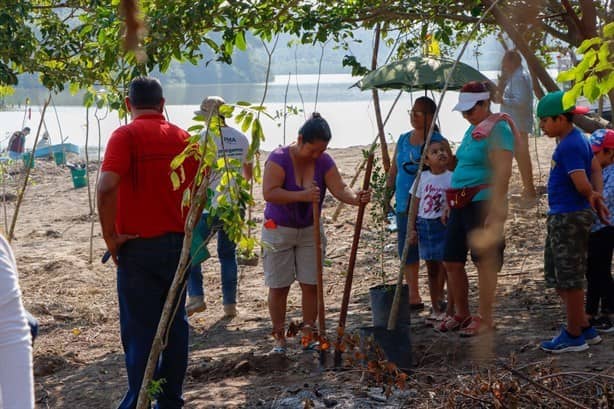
(452, 323)
(416, 307)
(475, 327)
(434, 319)
(279, 350)
(312, 346)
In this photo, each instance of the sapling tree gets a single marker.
(379, 212)
(234, 197)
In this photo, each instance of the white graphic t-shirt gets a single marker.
(432, 193)
(232, 145)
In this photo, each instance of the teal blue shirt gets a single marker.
(473, 167)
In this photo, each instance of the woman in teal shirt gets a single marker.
(478, 203)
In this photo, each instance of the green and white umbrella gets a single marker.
(416, 73)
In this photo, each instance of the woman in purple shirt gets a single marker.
(295, 176)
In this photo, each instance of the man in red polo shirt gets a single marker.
(143, 226)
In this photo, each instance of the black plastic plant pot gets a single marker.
(395, 344)
(381, 298)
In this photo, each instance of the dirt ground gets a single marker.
(78, 359)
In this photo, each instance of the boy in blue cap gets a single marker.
(574, 188)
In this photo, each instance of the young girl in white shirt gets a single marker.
(430, 225)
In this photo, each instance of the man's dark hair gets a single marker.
(315, 129)
(145, 93)
(26, 129)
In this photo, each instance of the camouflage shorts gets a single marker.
(565, 253)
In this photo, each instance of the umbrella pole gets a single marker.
(350, 273)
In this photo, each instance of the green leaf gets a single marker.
(226, 110)
(588, 43)
(257, 134)
(175, 180)
(243, 103)
(606, 84)
(178, 160)
(590, 89)
(568, 75)
(581, 69)
(186, 197)
(247, 122)
(570, 97)
(195, 128)
(74, 88)
(240, 41)
(608, 30)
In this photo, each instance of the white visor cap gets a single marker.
(467, 100)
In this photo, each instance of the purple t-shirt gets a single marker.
(297, 214)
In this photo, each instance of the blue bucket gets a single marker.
(79, 178)
(27, 160)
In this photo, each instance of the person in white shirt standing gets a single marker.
(16, 381)
(430, 233)
(517, 102)
(232, 145)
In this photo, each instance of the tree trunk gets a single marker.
(535, 66)
(378, 112)
(539, 71)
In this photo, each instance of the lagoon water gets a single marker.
(348, 110)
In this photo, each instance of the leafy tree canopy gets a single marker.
(78, 42)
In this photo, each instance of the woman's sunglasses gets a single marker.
(471, 110)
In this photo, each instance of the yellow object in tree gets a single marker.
(432, 46)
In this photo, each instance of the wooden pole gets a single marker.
(378, 112)
(364, 161)
(352, 263)
(28, 168)
(320, 279)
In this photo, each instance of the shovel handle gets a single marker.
(352, 262)
(320, 282)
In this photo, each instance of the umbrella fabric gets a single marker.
(420, 73)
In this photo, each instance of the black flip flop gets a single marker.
(416, 307)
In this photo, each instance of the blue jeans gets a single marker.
(33, 324)
(144, 276)
(227, 254)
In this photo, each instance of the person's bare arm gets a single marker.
(342, 191)
(501, 161)
(108, 188)
(391, 179)
(596, 175)
(585, 188)
(272, 190)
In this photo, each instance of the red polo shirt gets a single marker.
(141, 153)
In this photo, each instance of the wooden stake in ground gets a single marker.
(350, 273)
(28, 168)
(174, 294)
(320, 282)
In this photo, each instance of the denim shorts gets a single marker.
(412, 255)
(566, 249)
(431, 238)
